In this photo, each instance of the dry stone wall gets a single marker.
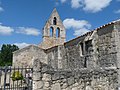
(46, 78)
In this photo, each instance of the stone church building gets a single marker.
(88, 62)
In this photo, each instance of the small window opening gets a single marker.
(85, 63)
(55, 21)
(88, 46)
(58, 32)
(82, 49)
(51, 32)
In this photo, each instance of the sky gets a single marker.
(21, 21)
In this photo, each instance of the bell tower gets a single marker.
(54, 32)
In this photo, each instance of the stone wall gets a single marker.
(24, 57)
(117, 43)
(46, 78)
(96, 49)
(106, 47)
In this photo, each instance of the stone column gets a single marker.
(37, 81)
(54, 35)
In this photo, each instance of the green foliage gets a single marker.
(6, 54)
(17, 76)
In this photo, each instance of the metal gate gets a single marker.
(12, 78)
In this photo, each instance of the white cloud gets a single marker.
(5, 30)
(63, 1)
(76, 3)
(28, 31)
(81, 31)
(95, 6)
(21, 45)
(90, 5)
(118, 11)
(79, 26)
(72, 23)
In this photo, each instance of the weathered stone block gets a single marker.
(65, 85)
(46, 77)
(38, 85)
(46, 84)
(56, 86)
(70, 80)
(37, 76)
(74, 88)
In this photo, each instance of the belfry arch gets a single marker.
(51, 31)
(57, 32)
(54, 21)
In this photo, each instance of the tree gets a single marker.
(6, 54)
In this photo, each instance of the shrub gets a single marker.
(17, 76)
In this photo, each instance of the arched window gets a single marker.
(51, 31)
(58, 32)
(54, 21)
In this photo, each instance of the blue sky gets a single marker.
(21, 21)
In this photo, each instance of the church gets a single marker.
(88, 62)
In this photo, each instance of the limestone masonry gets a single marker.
(88, 62)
